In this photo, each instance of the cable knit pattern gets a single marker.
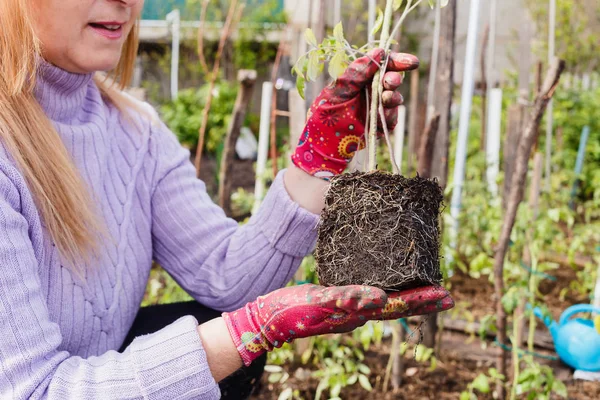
(60, 334)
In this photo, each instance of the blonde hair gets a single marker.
(61, 195)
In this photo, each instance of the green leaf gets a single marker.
(287, 394)
(378, 22)
(364, 369)
(495, 375)
(338, 64)
(465, 396)
(273, 368)
(433, 365)
(423, 353)
(338, 32)
(301, 85)
(364, 382)
(481, 383)
(310, 37)
(274, 378)
(554, 214)
(320, 388)
(336, 390)
(313, 66)
(443, 3)
(526, 376)
(398, 4)
(352, 380)
(559, 388)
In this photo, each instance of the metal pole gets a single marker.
(434, 60)
(596, 301)
(372, 14)
(174, 18)
(337, 11)
(465, 115)
(491, 47)
(494, 123)
(585, 133)
(399, 136)
(549, 120)
(263, 144)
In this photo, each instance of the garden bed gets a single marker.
(461, 361)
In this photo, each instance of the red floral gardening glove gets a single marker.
(336, 120)
(308, 310)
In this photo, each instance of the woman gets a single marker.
(93, 188)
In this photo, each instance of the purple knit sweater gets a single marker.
(59, 335)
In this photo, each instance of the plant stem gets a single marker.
(393, 354)
(516, 366)
(532, 290)
(378, 88)
(409, 7)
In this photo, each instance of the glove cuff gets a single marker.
(314, 163)
(246, 334)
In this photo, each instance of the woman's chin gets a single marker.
(100, 65)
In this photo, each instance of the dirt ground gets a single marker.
(243, 174)
(461, 359)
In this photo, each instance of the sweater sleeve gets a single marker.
(221, 264)
(169, 364)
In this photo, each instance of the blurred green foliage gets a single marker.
(184, 114)
(577, 24)
(575, 108)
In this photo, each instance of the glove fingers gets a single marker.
(391, 99)
(419, 301)
(391, 119)
(402, 62)
(392, 80)
(359, 74)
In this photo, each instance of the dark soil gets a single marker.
(243, 175)
(380, 229)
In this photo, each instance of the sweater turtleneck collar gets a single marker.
(61, 94)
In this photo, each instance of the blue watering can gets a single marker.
(576, 340)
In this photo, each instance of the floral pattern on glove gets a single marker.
(307, 310)
(335, 125)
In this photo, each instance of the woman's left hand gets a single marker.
(336, 121)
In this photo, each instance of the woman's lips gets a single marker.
(109, 30)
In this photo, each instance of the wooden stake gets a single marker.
(201, 56)
(513, 134)
(484, 87)
(231, 15)
(534, 197)
(397, 364)
(280, 50)
(413, 111)
(426, 147)
(516, 195)
(444, 91)
(430, 325)
(247, 79)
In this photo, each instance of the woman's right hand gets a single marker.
(308, 310)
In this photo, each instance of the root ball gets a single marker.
(380, 229)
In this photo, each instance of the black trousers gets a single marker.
(239, 385)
